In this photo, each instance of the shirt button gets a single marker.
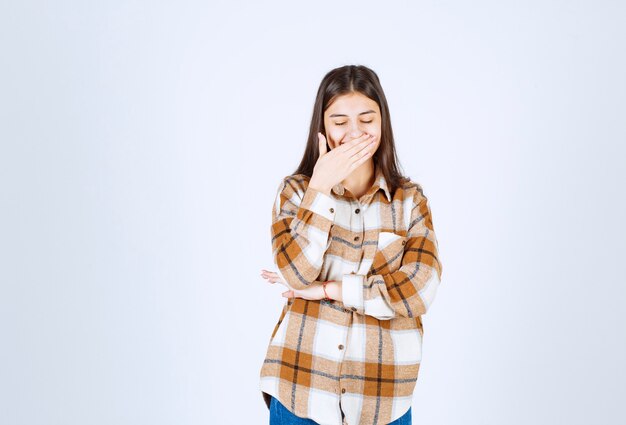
(332, 210)
(356, 238)
(357, 211)
(341, 346)
(403, 242)
(343, 390)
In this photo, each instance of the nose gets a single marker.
(355, 132)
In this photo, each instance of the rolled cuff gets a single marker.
(319, 203)
(352, 291)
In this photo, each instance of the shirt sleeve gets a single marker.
(301, 223)
(410, 290)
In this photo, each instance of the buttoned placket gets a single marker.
(361, 221)
(357, 225)
(342, 388)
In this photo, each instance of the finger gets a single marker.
(361, 142)
(357, 144)
(322, 143)
(356, 140)
(266, 274)
(345, 146)
(273, 277)
(362, 149)
(361, 157)
(288, 294)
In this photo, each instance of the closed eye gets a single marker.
(364, 122)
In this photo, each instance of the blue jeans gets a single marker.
(280, 415)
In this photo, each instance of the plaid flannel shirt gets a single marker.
(354, 361)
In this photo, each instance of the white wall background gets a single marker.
(142, 144)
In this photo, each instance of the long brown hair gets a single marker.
(345, 80)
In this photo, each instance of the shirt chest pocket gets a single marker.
(389, 252)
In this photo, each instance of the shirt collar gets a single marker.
(379, 183)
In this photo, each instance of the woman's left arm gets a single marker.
(410, 290)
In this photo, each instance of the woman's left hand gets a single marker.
(273, 277)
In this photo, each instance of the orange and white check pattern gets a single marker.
(354, 361)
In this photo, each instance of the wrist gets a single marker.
(333, 289)
(319, 187)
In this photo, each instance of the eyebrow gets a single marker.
(344, 115)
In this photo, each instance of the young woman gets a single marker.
(353, 242)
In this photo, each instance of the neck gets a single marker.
(361, 179)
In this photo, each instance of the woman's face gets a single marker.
(349, 116)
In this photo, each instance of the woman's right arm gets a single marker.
(303, 214)
(301, 222)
